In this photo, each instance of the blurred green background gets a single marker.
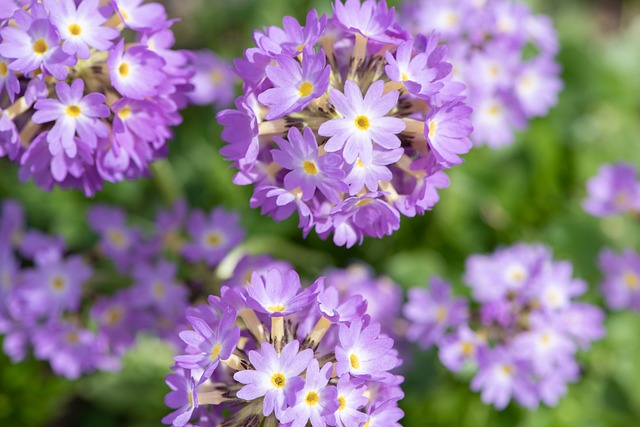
(531, 191)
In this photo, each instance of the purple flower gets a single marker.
(137, 72)
(214, 236)
(316, 401)
(183, 397)
(447, 130)
(370, 19)
(502, 376)
(209, 346)
(351, 400)
(275, 376)
(432, 313)
(73, 113)
(621, 285)
(138, 16)
(278, 293)
(615, 189)
(296, 86)
(70, 350)
(308, 171)
(363, 352)
(8, 79)
(364, 122)
(462, 346)
(9, 138)
(34, 44)
(80, 26)
(371, 175)
(213, 80)
(293, 38)
(54, 287)
(385, 415)
(155, 287)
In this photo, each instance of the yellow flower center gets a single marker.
(545, 339)
(117, 238)
(3, 69)
(75, 29)
(278, 380)
(113, 316)
(58, 283)
(215, 351)
(305, 89)
(190, 399)
(123, 69)
(343, 403)
(494, 70)
(467, 348)
(441, 314)
(40, 47)
(312, 398)
(278, 308)
(368, 423)
(433, 126)
(214, 239)
(359, 162)
(158, 289)
(405, 77)
(507, 369)
(362, 122)
(125, 113)
(73, 111)
(72, 337)
(631, 280)
(217, 77)
(354, 361)
(310, 167)
(494, 110)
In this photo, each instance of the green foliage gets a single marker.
(531, 191)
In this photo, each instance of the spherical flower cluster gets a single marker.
(270, 352)
(525, 332)
(503, 53)
(614, 190)
(62, 305)
(621, 285)
(79, 104)
(348, 121)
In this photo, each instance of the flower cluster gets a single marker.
(614, 190)
(79, 104)
(621, 285)
(78, 313)
(270, 352)
(503, 53)
(525, 332)
(348, 121)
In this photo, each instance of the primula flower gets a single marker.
(284, 369)
(70, 350)
(614, 190)
(364, 122)
(308, 171)
(275, 376)
(209, 346)
(213, 236)
(60, 61)
(489, 42)
(621, 285)
(523, 331)
(73, 113)
(278, 293)
(183, 398)
(316, 401)
(359, 88)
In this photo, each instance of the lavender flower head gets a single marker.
(614, 190)
(487, 41)
(267, 353)
(524, 334)
(346, 120)
(79, 104)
